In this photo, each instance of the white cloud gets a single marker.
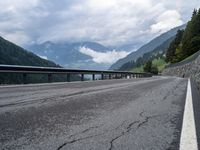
(104, 57)
(110, 22)
(166, 21)
(43, 57)
(17, 37)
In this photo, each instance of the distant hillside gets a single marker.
(11, 54)
(147, 47)
(69, 55)
(155, 55)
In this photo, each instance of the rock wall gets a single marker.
(188, 70)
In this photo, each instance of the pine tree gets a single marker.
(174, 53)
(186, 43)
(194, 13)
(148, 66)
(190, 37)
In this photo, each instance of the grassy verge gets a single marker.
(138, 69)
(159, 63)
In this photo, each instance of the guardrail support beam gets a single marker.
(102, 76)
(110, 76)
(24, 78)
(115, 76)
(93, 77)
(68, 77)
(82, 77)
(49, 78)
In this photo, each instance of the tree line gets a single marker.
(186, 42)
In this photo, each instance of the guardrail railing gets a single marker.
(105, 74)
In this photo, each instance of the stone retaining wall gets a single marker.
(189, 70)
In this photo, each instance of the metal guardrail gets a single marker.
(51, 70)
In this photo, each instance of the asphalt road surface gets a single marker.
(132, 114)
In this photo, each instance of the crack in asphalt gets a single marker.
(76, 140)
(129, 128)
(87, 137)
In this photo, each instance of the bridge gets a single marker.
(133, 112)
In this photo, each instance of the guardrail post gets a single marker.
(110, 76)
(82, 77)
(49, 78)
(93, 77)
(68, 77)
(24, 78)
(102, 76)
(115, 76)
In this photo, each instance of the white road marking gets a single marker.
(188, 139)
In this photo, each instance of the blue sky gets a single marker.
(110, 22)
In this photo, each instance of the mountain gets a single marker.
(69, 55)
(11, 54)
(127, 47)
(147, 47)
(156, 54)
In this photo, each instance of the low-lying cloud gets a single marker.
(108, 57)
(43, 57)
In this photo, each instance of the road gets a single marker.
(128, 114)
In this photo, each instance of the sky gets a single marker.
(109, 22)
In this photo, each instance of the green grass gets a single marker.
(159, 63)
(190, 57)
(138, 69)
